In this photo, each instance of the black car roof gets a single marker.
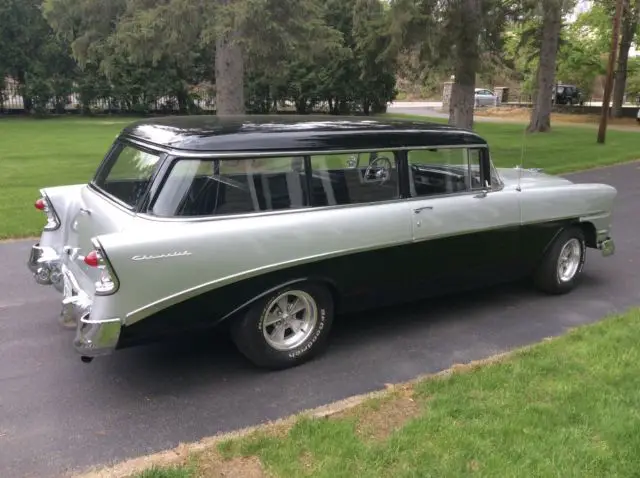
(284, 133)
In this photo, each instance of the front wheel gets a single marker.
(286, 328)
(563, 263)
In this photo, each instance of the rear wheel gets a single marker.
(286, 328)
(563, 263)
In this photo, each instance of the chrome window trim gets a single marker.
(470, 189)
(188, 154)
(145, 147)
(111, 199)
(151, 217)
(176, 155)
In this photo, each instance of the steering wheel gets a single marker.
(382, 174)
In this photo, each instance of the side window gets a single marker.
(475, 156)
(338, 179)
(474, 169)
(127, 174)
(434, 172)
(196, 187)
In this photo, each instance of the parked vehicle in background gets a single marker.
(273, 225)
(485, 97)
(567, 95)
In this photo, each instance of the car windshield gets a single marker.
(127, 173)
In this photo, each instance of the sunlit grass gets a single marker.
(568, 407)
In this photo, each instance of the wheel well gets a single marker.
(331, 287)
(590, 234)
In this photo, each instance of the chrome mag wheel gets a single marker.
(289, 319)
(569, 260)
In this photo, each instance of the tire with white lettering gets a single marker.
(563, 262)
(285, 328)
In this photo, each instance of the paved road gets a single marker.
(57, 413)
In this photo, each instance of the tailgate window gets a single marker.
(127, 173)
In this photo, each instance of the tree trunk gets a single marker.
(552, 23)
(182, 95)
(629, 25)
(463, 96)
(27, 101)
(467, 60)
(229, 76)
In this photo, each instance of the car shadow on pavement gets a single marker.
(210, 357)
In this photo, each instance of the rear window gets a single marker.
(203, 187)
(127, 173)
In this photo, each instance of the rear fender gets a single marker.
(62, 200)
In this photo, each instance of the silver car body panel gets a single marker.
(187, 258)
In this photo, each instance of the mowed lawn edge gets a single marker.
(568, 406)
(37, 153)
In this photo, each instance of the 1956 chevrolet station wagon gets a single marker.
(273, 225)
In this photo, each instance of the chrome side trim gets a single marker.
(49, 209)
(408, 200)
(148, 309)
(260, 296)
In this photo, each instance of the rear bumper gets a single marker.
(93, 337)
(44, 263)
(96, 337)
(607, 247)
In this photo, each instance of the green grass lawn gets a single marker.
(35, 153)
(564, 149)
(569, 407)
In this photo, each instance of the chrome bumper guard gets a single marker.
(93, 337)
(607, 247)
(96, 337)
(44, 263)
(75, 302)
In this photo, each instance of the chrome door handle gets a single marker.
(418, 210)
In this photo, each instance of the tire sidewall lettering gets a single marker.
(305, 347)
(313, 339)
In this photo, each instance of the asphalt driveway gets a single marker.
(57, 413)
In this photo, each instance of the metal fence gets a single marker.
(201, 100)
(12, 101)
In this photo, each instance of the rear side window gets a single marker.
(127, 174)
(338, 179)
(206, 187)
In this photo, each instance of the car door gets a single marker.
(485, 98)
(463, 234)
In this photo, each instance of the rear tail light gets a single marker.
(92, 259)
(43, 204)
(107, 282)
